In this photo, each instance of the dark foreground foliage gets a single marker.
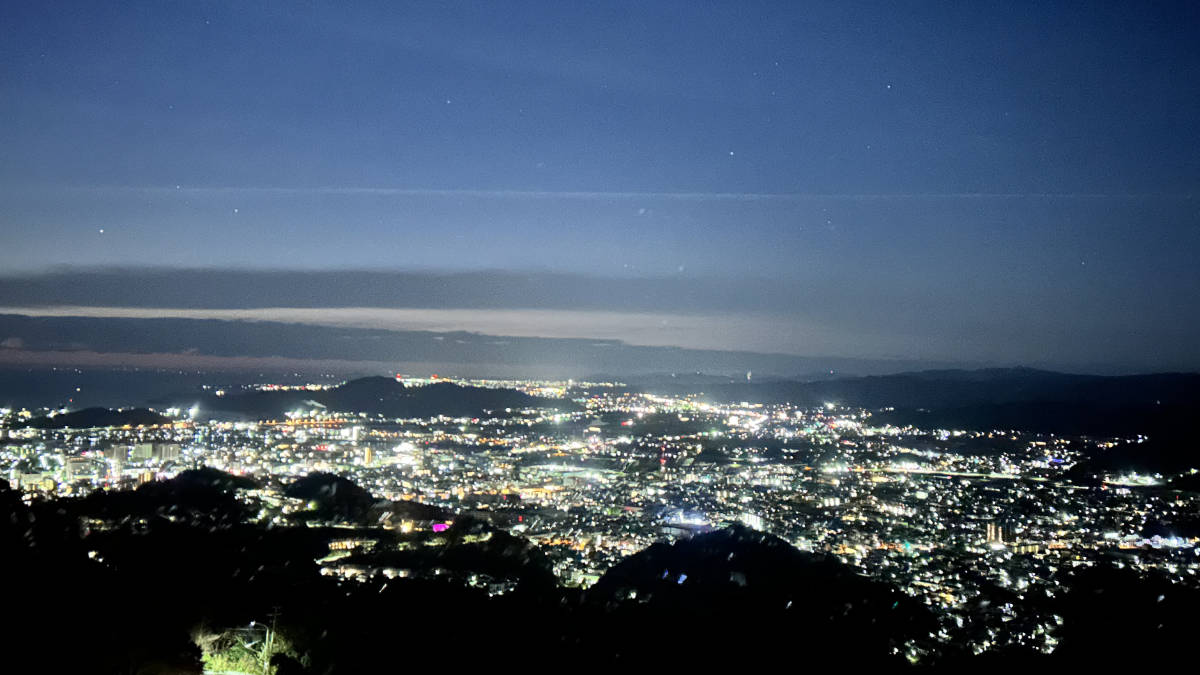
(136, 582)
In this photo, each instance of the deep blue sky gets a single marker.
(956, 166)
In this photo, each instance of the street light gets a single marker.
(268, 642)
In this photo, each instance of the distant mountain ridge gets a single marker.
(382, 396)
(89, 418)
(943, 388)
(994, 398)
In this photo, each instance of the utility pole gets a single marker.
(265, 653)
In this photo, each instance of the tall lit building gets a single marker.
(1000, 532)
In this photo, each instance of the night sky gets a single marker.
(977, 183)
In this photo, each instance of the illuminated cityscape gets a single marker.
(950, 517)
(478, 336)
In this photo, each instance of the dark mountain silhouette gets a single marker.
(99, 417)
(998, 398)
(946, 389)
(44, 387)
(732, 598)
(176, 340)
(336, 498)
(207, 476)
(1114, 617)
(383, 396)
(404, 510)
(734, 594)
(203, 495)
(1167, 451)
(1159, 406)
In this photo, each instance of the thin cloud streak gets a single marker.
(593, 195)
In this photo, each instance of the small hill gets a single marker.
(206, 476)
(336, 498)
(719, 594)
(405, 510)
(204, 497)
(89, 418)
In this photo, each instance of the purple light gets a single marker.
(441, 527)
